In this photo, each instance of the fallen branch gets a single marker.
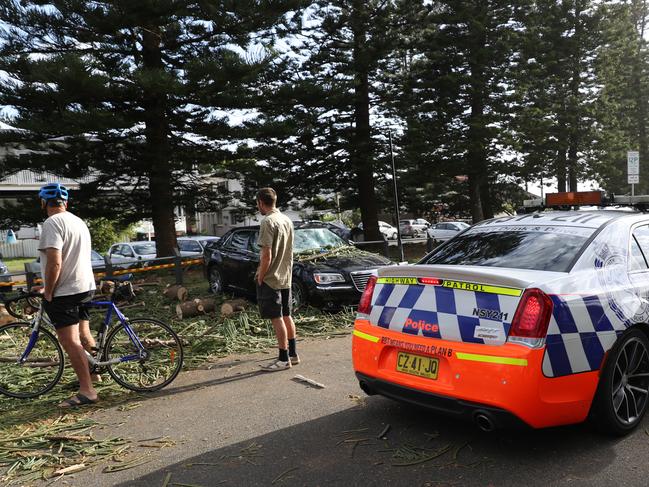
(301, 378)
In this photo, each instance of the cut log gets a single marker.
(5, 317)
(208, 304)
(233, 306)
(107, 287)
(176, 292)
(188, 309)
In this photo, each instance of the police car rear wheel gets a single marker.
(623, 393)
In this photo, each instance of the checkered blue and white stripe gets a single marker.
(582, 329)
(451, 309)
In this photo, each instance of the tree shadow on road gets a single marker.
(418, 448)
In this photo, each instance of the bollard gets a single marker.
(178, 267)
(109, 268)
(30, 275)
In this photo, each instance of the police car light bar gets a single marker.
(585, 198)
(574, 198)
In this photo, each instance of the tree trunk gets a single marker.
(476, 202)
(477, 134)
(574, 130)
(157, 144)
(361, 151)
(561, 171)
(486, 201)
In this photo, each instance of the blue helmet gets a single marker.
(53, 191)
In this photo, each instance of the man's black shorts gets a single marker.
(68, 310)
(273, 303)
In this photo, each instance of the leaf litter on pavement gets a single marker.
(29, 451)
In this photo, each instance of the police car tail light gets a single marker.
(532, 315)
(365, 304)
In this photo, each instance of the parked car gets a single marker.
(195, 245)
(410, 228)
(446, 230)
(4, 277)
(421, 221)
(127, 254)
(97, 260)
(327, 281)
(387, 230)
(337, 227)
(539, 319)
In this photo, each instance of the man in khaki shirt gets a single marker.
(274, 278)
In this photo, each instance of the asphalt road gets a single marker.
(236, 426)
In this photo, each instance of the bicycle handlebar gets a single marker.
(22, 295)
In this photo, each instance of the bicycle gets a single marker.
(142, 354)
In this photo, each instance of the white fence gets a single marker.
(22, 248)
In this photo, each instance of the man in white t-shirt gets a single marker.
(69, 282)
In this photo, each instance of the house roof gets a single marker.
(33, 180)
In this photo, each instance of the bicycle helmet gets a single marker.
(53, 191)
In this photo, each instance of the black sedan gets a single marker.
(327, 271)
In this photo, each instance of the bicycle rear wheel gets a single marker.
(42, 369)
(160, 366)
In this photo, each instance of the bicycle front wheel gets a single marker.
(36, 375)
(162, 361)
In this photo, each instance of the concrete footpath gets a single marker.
(234, 425)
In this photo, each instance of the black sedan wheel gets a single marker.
(216, 280)
(298, 293)
(623, 393)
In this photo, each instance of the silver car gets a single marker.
(446, 230)
(4, 275)
(127, 254)
(194, 246)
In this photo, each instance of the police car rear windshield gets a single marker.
(536, 248)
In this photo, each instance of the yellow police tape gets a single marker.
(116, 273)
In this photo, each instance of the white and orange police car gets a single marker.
(539, 319)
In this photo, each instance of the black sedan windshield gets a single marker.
(306, 239)
(534, 249)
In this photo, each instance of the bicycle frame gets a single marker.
(33, 336)
(112, 309)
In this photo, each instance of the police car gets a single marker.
(540, 319)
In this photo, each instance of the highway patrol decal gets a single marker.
(459, 311)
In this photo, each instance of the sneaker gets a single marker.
(295, 359)
(276, 366)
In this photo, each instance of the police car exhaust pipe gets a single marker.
(484, 421)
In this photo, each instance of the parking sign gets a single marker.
(633, 167)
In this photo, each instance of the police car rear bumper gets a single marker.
(464, 410)
(501, 378)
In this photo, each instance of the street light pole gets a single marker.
(396, 199)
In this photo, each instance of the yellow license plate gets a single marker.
(417, 365)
